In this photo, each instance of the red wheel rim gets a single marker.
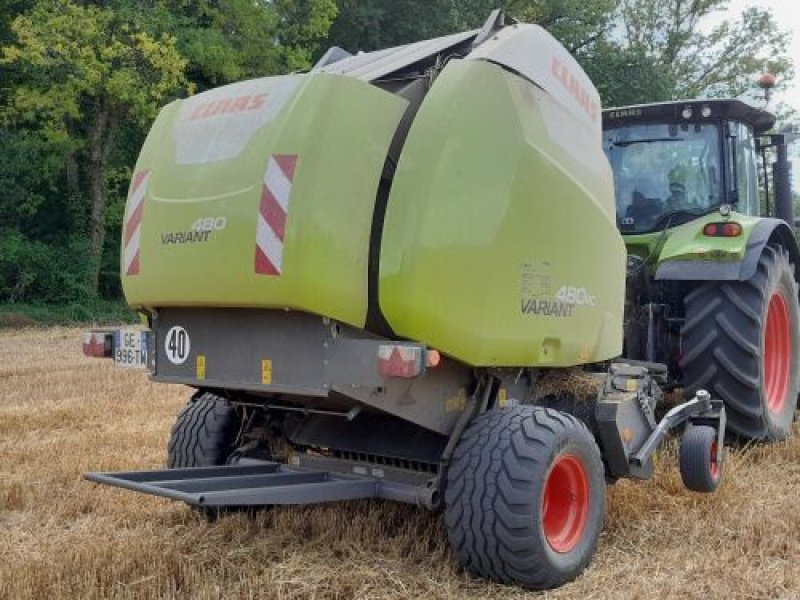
(715, 468)
(565, 503)
(777, 353)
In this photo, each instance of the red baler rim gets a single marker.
(565, 503)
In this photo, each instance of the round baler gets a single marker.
(399, 276)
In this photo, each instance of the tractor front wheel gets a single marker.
(525, 497)
(741, 343)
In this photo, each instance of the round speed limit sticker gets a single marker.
(177, 345)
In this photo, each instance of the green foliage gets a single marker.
(229, 40)
(29, 177)
(33, 270)
(81, 58)
(371, 24)
(626, 76)
(88, 71)
(575, 23)
(722, 62)
(80, 82)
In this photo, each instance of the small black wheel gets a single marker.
(204, 433)
(525, 497)
(701, 471)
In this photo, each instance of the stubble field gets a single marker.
(61, 537)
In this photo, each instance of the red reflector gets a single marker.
(432, 358)
(98, 344)
(722, 230)
(731, 230)
(396, 360)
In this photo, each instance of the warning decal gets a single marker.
(273, 211)
(133, 223)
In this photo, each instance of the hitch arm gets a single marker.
(701, 407)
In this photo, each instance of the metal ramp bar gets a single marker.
(243, 485)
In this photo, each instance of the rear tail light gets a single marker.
(405, 360)
(98, 344)
(722, 230)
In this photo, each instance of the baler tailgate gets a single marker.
(259, 484)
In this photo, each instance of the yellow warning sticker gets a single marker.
(502, 397)
(631, 385)
(201, 366)
(266, 371)
(457, 402)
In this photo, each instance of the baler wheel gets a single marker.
(203, 434)
(701, 471)
(741, 342)
(525, 497)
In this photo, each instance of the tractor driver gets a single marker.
(677, 189)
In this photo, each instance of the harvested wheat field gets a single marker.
(62, 537)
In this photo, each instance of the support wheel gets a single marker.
(204, 433)
(741, 343)
(700, 469)
(525, 497)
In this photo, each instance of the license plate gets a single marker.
(130, 349)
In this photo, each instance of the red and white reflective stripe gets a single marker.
(133, 223)
(272, 213)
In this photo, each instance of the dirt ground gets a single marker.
(62, 537)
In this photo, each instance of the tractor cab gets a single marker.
(676, 161)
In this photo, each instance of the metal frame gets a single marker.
(700, 408)
(258, 483)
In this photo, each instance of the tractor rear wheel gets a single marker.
(204, 433)
(525, 497)
(741, 343)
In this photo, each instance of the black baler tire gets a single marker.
(696, 457)
(203, 434)
(494, 493)
(723, 346)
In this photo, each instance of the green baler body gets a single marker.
(498, 246)
(207, 166)
(491, 215)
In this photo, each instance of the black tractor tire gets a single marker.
(741, 342)
(525, 497)
(204, 433)
(700, 469)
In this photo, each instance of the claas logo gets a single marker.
(238, 104)
(571, 83)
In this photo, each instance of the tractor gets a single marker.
(399, 275)
(713, 262)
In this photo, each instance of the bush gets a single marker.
(31, 270)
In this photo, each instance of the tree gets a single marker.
(723, 61)
(371, 24)
(230, 40)
(625, 76)
(575, 23)
(88, 72)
